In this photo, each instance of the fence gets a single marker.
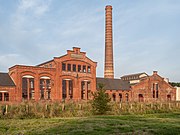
(80, 109)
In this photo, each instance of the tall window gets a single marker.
(155, 90)
(141, 98)
(84, 68)
(127, 97)
(79, 68)
(120, 97)
(6, 96)
(71, 89)
(114, 97)
(45, 88)
(89, 69)
(24, 88)
(48, 88)
(27, 88)
(31, 92)
(69, 67)
(64, 89)
(74, 67)
(0, 96)
(42, 88)
(82, 90)
(168, 97)
(89, 90)
(63, 66)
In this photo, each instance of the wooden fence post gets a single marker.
(6, 109)
(131, 106)
(120, 105)
(46, 107)
(141, 107)
(169, 105)
(27, 108)
(63, 107)
(80, 107)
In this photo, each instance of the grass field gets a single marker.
(164, 123)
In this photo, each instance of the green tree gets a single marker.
(100, 102)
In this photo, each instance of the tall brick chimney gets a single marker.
(108, 69)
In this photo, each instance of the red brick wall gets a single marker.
(56, 75)
(145, 87)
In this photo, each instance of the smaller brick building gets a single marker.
(117, 89)
(153, 88)
(7, 88)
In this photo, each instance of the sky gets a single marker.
(146, 33)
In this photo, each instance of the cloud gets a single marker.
(9, 60)
(27, 11)
(36, 7)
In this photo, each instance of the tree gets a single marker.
(100, 102)
(174, 84)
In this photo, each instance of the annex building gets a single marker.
(73, 77)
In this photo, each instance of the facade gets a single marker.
(153, 88)
(71, 76)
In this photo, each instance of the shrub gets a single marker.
(100, 103)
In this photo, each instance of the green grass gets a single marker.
(148, 124)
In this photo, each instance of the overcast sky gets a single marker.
(146, 33)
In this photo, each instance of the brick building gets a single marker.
(153, 88)
(73, 77)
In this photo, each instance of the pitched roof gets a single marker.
(5, 80)
(113, 84)
(137, 74)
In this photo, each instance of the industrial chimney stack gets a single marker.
(108, 69)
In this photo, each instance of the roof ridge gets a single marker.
(135, 74)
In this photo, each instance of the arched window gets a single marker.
(70, 89)
(114, 97)
(83, 90)
(127, 97)
(28, 87)
(67, 88)
(120, 97)
(88, 89)
(155, 90)
(141, 98)
(45, 87)
(168, 97)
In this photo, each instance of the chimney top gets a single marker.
(155, 72)
(109, 7)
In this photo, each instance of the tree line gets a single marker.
(174, 84)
